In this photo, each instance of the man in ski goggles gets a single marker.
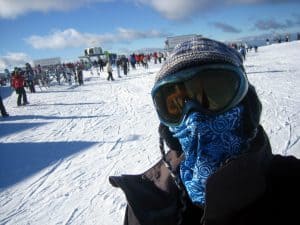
(211, 89)
(198, 96)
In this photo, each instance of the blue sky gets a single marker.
(35, 29)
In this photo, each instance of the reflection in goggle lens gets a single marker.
(213, 90)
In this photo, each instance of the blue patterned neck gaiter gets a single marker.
(207, 142)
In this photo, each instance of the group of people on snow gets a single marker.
(28, 77)
(123, 63)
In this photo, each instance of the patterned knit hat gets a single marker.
(198, 51)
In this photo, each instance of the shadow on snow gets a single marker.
(63, 104)
(57, 91)
(25, 117)
(11, 128)
(21, 160)
(268, 71)
(5, 91)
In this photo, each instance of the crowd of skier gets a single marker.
(28, 78)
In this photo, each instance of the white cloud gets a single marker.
(182, 9)
(176, 9)
(73, 38)
(13, 59)
(171, 9)
(15, 8)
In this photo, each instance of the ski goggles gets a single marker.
(211, 89)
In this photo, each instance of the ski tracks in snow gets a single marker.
(277, 85)
(32, 189)
(292, 140)
(73, 187)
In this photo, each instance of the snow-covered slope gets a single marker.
(275, 71)
(57, 153)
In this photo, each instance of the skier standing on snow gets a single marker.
(18, 83)
(219, 169)
(243, 52)
(69, 73)
(145, 62)
(118, 65)
(125, 65)
(109, 71)
(30, 77)
(132, 61)
(101, 64)
(80, 73)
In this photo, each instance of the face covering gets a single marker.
(207, 141)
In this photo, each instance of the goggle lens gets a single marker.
(212, 89)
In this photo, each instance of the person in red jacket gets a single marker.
(18, 83)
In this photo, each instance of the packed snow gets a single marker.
(57, 153)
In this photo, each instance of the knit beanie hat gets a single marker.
(201, 51)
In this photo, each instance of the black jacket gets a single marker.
(255, 188)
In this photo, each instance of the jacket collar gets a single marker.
(239, 182)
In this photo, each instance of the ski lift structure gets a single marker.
(171, 42)
(90, 55)
(96, 53)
